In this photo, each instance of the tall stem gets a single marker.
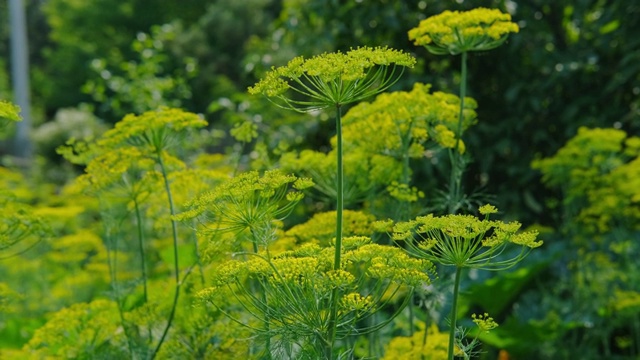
(336, 264)
(456, 166)
(339, 190)
(112, 262)
(263, 294)
(143, 264)
(174, 228)
(454, 311)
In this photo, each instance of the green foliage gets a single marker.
(596, 171)
(125, 86)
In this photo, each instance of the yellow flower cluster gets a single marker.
(153, 129)
(356, 302)
(244, 132)
(464, 240)
(340, 278)
(81, 331)
(390, 263)
(320, 229)
(407, 119)
(599, 173)
(430, 346)
(484, 322)
(333, 79)
(403, 192)
(110, 168)
(455, 32)
(301, 285)
(363, 171)
(247, 201)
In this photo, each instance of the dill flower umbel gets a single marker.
(455, 32)
(247, 202)
(408, 119)
(153, 129)
(333, 79)
(464, 241)
(484, 322)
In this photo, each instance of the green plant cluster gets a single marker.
(240, 229)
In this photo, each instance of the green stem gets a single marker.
(424, 336)
(174, 228)
(454, 309)
(264, 301)
(143, 264)
(333, 315)
(339, 190)
(112, 261)
(198, 257)
(456, 171)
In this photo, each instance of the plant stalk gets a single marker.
(456, 166)
(143, 264)
(261, 289)
(112, 261)
(333, 315)
(174, 229)
(454, 312)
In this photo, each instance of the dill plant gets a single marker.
(463, 242)
(459, 240)
(458, 33)
(128, 163)
(18, 222)
(332, 80)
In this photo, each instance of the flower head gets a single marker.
(485, 322)
(152, 129)
(464, 240)
(408, 119)
(247, 202)
(455, 32)
(333, 79)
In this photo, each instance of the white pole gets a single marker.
(20, 76)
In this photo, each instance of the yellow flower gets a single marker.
(455, 32)
(333, 79)
(320, 228)
(247, 202)
(153, 129)
(485, 322)
(464, 240)
(402, 122)
(420, 346)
